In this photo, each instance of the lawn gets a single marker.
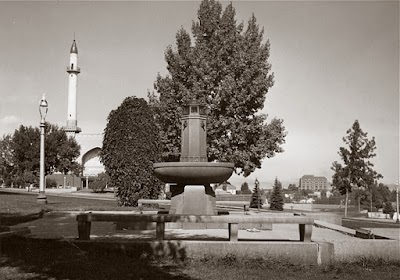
(22, 207)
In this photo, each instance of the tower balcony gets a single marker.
(75, 70)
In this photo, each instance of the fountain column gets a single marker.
(193, 136)
(194, 199)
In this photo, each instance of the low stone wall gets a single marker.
(298, 206)
(237, 197)
(326, 217)
(378, 215)
(312, 207)
(293, 252)
(356, 249)
(53, 191)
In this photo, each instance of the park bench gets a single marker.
(233, 221)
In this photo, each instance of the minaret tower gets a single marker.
(73, 70)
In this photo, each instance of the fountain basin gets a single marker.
(193, 173)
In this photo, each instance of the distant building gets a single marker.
(313, 183)
(225, 188)
(65, 180)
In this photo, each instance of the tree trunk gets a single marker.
(345, 205)
(371, 204)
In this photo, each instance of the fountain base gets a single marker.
(193, 200)
(191, 190)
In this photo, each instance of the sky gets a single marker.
(333, 61)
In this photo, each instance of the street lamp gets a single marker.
(43, 108)
(397, 202)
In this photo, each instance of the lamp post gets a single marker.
(43, 108)
(397, 202)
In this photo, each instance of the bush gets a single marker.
(97, 186)
(388, 208)
(100, 183)
(51, 183)
(130, 147)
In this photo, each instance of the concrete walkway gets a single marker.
(391, 233)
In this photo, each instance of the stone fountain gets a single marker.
(190, 178)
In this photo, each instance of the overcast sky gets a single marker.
(334, 62)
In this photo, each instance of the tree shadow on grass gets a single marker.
(10, 219)
(12, 193)
(60, 259)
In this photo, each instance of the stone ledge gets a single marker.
(351, 250)
(294, 252)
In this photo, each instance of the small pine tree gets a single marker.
(245, 188)
(276, 200)
(256, 201)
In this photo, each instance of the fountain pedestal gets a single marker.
(190, 178)
(190, 184)
(193, 201)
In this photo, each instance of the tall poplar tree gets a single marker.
(226, 68)
(357, 170)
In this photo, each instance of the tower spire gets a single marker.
(74, 48)
(73, 70)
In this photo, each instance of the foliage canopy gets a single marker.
(20, 154)
(130, 147)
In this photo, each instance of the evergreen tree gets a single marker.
(130, 147)
(256, 201)
(357, 170)
(276, 199)
(226, 68)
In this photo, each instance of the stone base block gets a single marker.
(293, 252)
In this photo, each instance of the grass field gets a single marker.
(22, 207)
